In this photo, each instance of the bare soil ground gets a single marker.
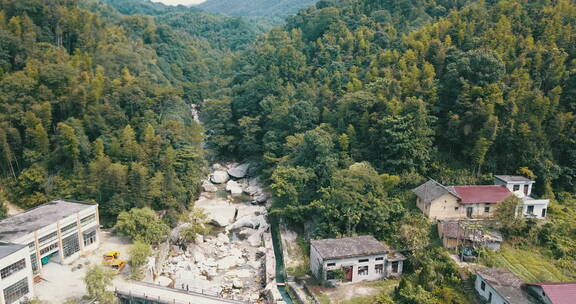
(62, 282)
(347, 292)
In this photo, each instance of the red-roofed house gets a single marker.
(554, 293)
(440, 202)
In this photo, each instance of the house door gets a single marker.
(489, 297)
(469, 211)
(349, 273)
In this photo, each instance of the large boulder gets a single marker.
(233, 187)
(219, 177)
(249, 221)
(219, 212)
(208, 186)
(239, 171)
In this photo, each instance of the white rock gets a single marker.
(223, 238)
(246, 232)
(228, 262)
(219, 177)
(233, 187)
(237, 283)
(255, 264)
(209, 187)
(249, 222)
(218, 211)
(255, 240)
(239, 171)
(217, 167)
(199, 239)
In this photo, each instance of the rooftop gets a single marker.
(506, 284)
(559, 293)
(481, 194)
(432, 190)
(16, 226)
(473, 231)
(513, 178)
(7, 249)
(348, 247)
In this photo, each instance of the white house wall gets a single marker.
(539, 205)
(496, 298)
(17, 276)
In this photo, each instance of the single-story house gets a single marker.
(468, 232)
(477, 201)
(354, 259)
(553, 293)
(500, 286)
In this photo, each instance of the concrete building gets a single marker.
(15, 274)
(58, 231)
(500, 286)
(361, 258)
(553, 293)
(441, 202)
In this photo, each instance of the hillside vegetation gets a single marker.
(256, 8)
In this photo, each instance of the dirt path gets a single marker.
(13, 209)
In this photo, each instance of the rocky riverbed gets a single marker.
(236, 259)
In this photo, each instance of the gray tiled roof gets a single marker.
(432, 190)
(348, 247)
(16, 226)
(506, 284)
(7, 249)
(513, 178)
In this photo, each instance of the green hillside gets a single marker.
(256, 8)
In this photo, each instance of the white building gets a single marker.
(58, 231)
(15, 273)
(500, 286)
(521, 186)
(361, 258)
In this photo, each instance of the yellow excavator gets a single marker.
(111, 259)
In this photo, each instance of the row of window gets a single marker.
(16, 291)
(88, 219)
(11, 269)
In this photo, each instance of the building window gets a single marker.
(456, 208)
(331, 264)
(88, 219)
(486, 209)
(48, 248)
(394, 267)
(379, 258)
(530, 209)
(483, 285)
(16, 291)
(363, 270)
(363, 261)
(379, 268)
(68, 228)
(544, 212)
(11, 269)
(330, 275)
(32, 246)
(89, 238)
(34, 263)
(47, 238)
(70, 245)
(515, 187)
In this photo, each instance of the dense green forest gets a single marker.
(95, 107)
(344, 108)
(256, 8)
(352, 103)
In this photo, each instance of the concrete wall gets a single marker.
(15, 277)
(315, 263)
(539, 205)
(354, 262)
(519, 185)
(485, 294)
(538, 292)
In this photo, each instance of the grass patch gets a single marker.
(530, 266)
(324, 299)
(384, 287)
(301, 254)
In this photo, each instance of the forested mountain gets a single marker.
(220, 32)
(91, 109)
(354, 102)
(256, 8)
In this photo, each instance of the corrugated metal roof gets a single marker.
(348, 247)
(482, 194)
(560, 293)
